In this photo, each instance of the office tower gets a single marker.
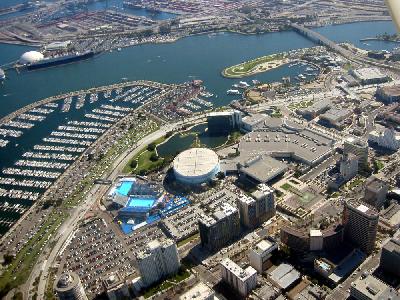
(360, 149)
(360, 222)
(375, 192)
(68, 286)
(243, 281)
(159, 260)
(390, 257)
(260, 254)
(219, 226)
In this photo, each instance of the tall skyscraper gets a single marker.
(360, 222)
(243, 281)
(257, 209)
(390, 257)
(159, 260)
(219, 227)
(360, 149)
(375, 192)
(68, 286)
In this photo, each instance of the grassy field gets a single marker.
(249, 67)
(143, 158)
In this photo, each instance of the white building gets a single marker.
(243, 281)
(369, 76)
(385, 138)
(158, 260)
(316, 240)
(261, 253)
(199, 292)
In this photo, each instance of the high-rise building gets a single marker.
(219, 227)
(261, 253)
(360, 222)
(115, 287)
(224, 122)
(390, 257)
(69, 287)
(375, 192)
(348, 166)
(157, 261)
(256, 210)
(243, 281)
(360, 149)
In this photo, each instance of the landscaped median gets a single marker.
(257, 65)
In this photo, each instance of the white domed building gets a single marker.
(30, 57)
(196, 166)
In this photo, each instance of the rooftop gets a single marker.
(195, 162)
(199, 291)
(374, 289)
(219, 213)
(284, 275)
(263, 168)
(242, 274)
(368, 73)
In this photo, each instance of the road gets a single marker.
(44, 263)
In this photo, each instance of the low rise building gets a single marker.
(199, 292)
(242, 280)
(371, 288)
(385, 138)
(115, 287)
(260, 254)
(388, 94)
(335, 117)
(249, 123)
(390, 217)
(369, 76)
(284, 276)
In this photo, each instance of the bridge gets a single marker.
(322, 40)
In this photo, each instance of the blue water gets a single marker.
(355, 31)
(125, 187)
(140, 202)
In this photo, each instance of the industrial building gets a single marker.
(219, 226)
(223, 122)
(242, 280)
(388, 94)
(335, 117)
(260, 169)
(157, 261)
(369, 76)
(371, 288)
(196, 166)
(359, 148)
(260, 254)
(361, 223)
(390, 257)
(375, 192)
(255, 210)
(385, 137)
(280, 138)
(68, 286)
(284, 276)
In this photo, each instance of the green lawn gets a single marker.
(246, 68)
(286, 186)
(187, 240)
(144, 164)
(180, 276)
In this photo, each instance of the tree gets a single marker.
(154, 157)
(133, 164)
(151, 146)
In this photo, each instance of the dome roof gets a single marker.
(31, 57)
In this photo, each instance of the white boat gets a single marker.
(244, 83)
(255, 81)
(2, 75)
(233, 92)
